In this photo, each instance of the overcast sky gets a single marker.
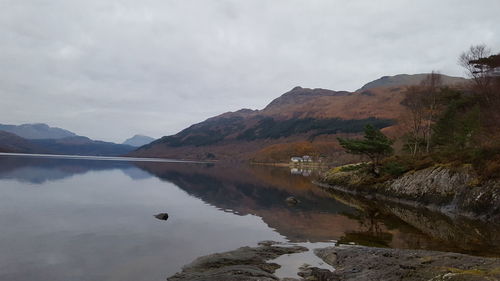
(111, 69)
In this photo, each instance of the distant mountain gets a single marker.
(55, 143)
(300, 122)
(83, 146)
(37, 131)
(408, 80)
(15, 144)
(138, 140)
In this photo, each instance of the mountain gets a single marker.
(300, 122)
(57, 141)
(15, 144)
(138, 140)
(408, 80)
(83, 146)
(37, 131)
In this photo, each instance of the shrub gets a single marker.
(394, 168)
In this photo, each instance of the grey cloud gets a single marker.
(111, 69)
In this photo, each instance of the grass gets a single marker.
(475, 271)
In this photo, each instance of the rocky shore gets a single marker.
(451, 190)
(350, 262)
(365, 263)
(246, 263)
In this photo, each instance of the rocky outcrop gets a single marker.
(245, 263)
(366, 263)
(452, 190)
(350, 263)
(451, 233)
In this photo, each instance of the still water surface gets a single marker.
(83, 219)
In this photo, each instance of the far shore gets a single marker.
(103, 158)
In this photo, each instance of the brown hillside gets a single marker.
(300, 118)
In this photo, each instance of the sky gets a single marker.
(112, 69)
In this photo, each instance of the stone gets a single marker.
(162, 216)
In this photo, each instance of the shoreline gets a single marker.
(348, 262)
(453, 192)
(103, 158)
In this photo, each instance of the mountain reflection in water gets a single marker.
(324, 215)
(320, 216)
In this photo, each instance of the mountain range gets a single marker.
(37, 131)
(41, 138)
(299, 122)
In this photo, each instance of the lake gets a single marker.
(91, 219)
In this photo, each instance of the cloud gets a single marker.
(111, 69)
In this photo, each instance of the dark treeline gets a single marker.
(214, 131)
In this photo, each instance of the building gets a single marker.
(307, 158)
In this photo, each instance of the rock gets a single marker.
(454, 191)
(350, 263)
(270, 243)
(366, 263)
(246, 263)
(292, 200)
(162, 216)
(317, 274)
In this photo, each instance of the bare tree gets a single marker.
(414, 117)
(423, 103)
(431, 85)
(478, 72)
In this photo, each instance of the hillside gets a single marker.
(408, 80)
(313, 117)
(83, 146)
(15, 144)
(73, 145)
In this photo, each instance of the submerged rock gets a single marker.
(162, 216)
(292, 200)
(246, 263)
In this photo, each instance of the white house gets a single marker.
(307, 158)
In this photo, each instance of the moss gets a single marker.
(474, 182)
(336, 177)
(426, 260)
(475, 271)
(354, 167)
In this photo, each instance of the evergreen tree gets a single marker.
(375, 145)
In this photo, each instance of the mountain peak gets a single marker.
(138, 140)
(407, 80)
(298, 95)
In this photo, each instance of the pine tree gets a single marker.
(375, 145)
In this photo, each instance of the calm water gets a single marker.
(81, 219)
